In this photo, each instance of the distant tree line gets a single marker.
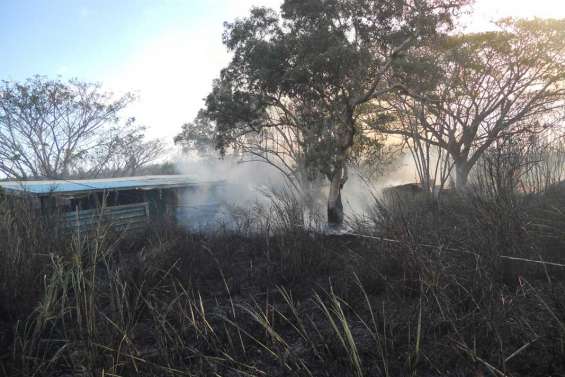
(56, 129)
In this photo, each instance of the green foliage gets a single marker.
(198, 135)
(311, 70)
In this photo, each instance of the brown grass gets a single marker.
(437, 299)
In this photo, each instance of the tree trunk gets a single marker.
(344, 141)
(335, 206)
(461, 174)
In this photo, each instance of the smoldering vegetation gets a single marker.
(250, 192)
(465, 284)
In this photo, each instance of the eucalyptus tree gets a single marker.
(198, 136)
(314, 68)
(491, 86)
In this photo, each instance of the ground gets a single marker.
(436, 299)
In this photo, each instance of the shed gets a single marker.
(126, 202)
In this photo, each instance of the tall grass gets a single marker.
(425, 292)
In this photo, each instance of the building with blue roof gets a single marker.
(129, 202)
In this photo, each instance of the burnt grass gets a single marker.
(438, 296)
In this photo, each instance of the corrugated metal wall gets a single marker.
(125, 217)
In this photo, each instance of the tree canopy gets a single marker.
(55, 129)
(488, 86)
(314, 68)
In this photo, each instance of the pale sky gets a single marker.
(167, 51)
(485, 12)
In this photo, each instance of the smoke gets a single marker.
(232, 190)
(401, 171)
(243, 178)
(228, 191)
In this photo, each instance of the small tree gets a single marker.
(50, 128)
(128, 152)
(532, 163)
(433, 164)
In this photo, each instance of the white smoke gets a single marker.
(229, 191)
(247, 188)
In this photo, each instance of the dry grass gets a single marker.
(439, 301)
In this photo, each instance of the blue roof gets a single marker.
(93, 185)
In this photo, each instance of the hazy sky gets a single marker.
(168, 51)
